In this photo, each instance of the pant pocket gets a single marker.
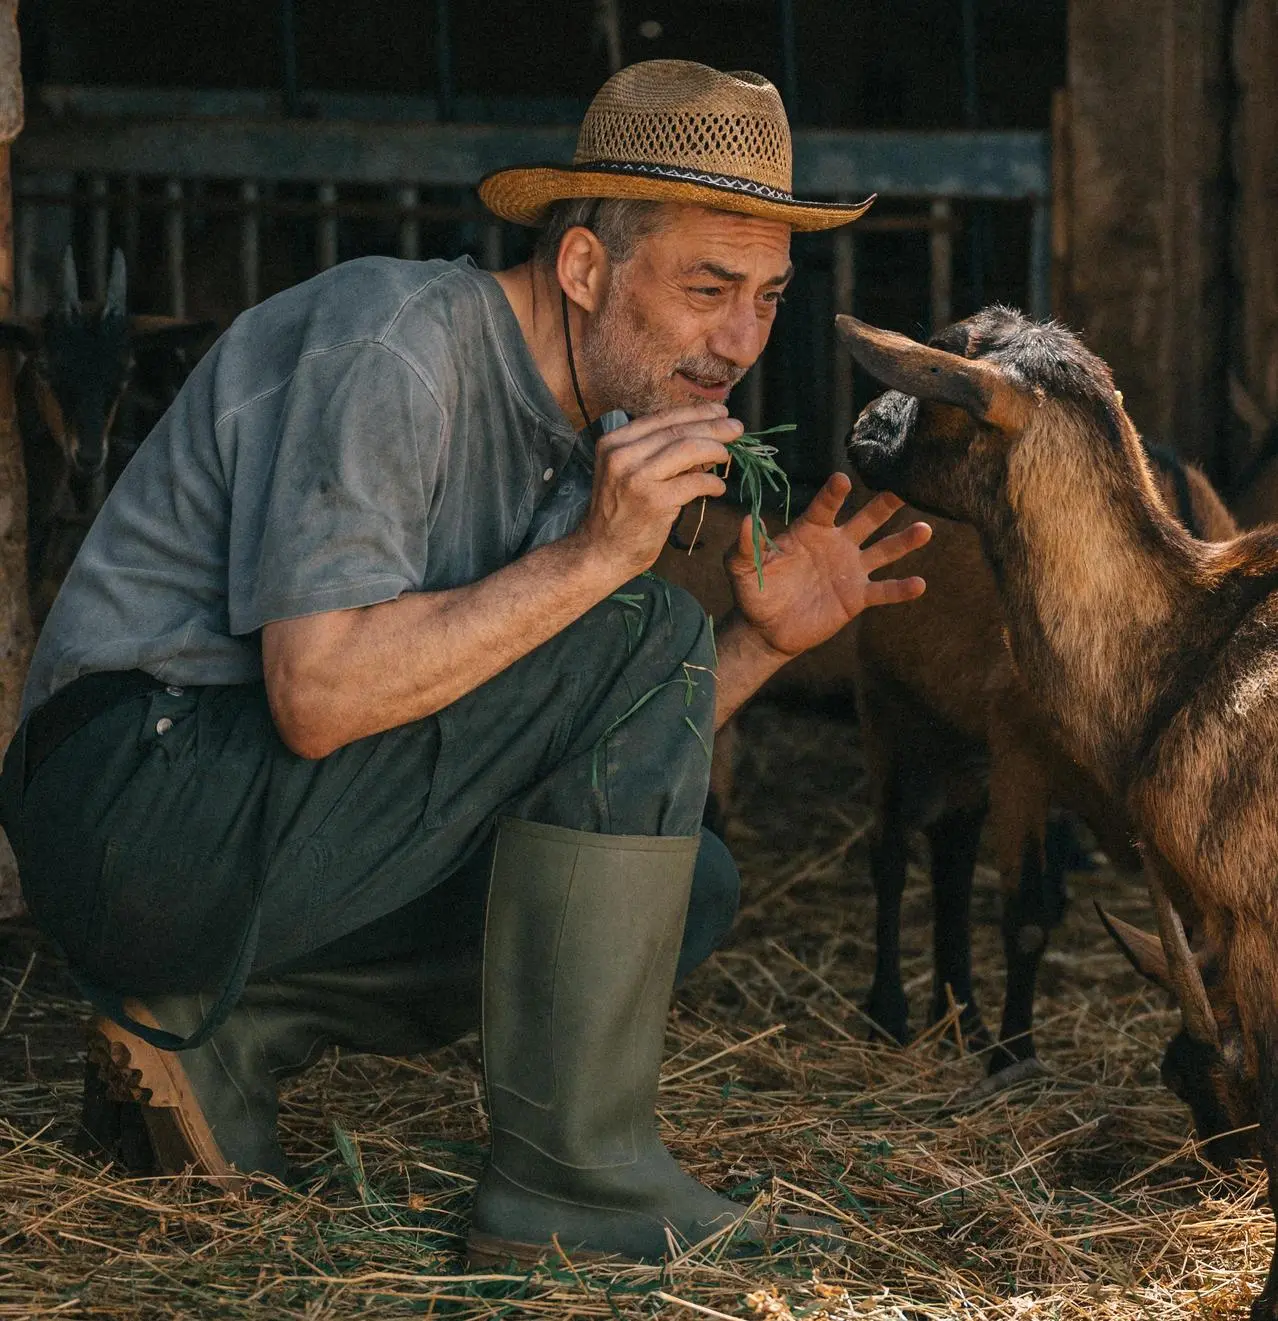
(164, 919)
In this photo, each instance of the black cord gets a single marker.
(572, 368)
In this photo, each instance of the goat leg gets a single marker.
(1020, 800)
(954, 840)
(887, 1006)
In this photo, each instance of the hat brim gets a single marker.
(523, 194)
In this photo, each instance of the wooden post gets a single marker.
(1255, 141)
(1148, 111)
(15, 616)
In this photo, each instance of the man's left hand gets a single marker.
(816, 578)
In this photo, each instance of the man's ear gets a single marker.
(583, 267)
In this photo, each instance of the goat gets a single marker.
(76, 366)
(1153, 654)
(951, 733)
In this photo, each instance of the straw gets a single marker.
(1076, 1198)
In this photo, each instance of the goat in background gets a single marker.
(76, 366)
(1154, 655)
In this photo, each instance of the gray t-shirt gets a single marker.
(379, 429)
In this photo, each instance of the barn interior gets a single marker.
(1111, 166)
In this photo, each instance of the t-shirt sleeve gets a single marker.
(344, 519)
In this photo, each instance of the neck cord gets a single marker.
(572, 368)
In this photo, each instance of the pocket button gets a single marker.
(163, 725)
(173, 690)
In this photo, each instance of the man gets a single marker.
(362, 638)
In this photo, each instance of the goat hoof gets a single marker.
(889, 1025)
(1022, 1071)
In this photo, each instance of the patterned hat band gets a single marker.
(732, 182)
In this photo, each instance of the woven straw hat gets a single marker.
(675, 131)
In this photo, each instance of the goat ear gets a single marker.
(166, 332)
(1144, 952)
(927, 373)
(117, 286)
(70, 305)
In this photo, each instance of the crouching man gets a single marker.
(360, 641)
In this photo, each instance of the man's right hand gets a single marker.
(645, 473)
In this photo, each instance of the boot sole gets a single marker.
(133, 1070)
(488, 1252)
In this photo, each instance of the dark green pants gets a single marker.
(147, 841)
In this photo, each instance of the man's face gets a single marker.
(687, 315)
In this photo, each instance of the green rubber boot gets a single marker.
(582, 936)
(215, 1109)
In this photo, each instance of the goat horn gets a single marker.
(116, 290)
(1182, 968)
(1144, 952)
(927, 373)
(70, 285)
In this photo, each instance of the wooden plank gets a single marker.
(15, 615)
(827, 162)
(1146, 198)
(124, 102)
(1255, 238)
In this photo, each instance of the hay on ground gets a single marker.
(1074, 1197)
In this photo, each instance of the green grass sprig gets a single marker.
(756, 465)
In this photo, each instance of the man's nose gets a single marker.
(740, 336)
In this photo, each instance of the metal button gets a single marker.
(547, 475)
(163, 725)
(173, 690)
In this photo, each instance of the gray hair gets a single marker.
(620, 224)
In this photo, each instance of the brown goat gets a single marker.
(1154, 654)
(944, 714)
(948, 730)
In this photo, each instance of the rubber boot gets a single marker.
(215, 1109)
(582, 935)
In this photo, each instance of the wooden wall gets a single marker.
(15, 618)
(1254, 356)
(1147, 192)
(1169, 263)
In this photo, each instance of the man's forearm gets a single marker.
(746, 663)
(344, 675)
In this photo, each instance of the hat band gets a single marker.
(730, 182)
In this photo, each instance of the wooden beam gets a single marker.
(1006, 165)
(1147, 196)
(15, 614)
(1255, 238)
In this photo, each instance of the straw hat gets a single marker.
(675, 131)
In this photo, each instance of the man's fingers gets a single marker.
(679, 456)
(869, 518)
(892, 591)
(827, 502)
(745, 537)
(680, 491)
(703, 411)
(890, 549)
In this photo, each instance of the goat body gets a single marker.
(1155, 655)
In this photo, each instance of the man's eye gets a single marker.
(775, 298)
(710, 290)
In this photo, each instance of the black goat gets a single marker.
(76, 365)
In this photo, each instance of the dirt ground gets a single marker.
(1074, 1197)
